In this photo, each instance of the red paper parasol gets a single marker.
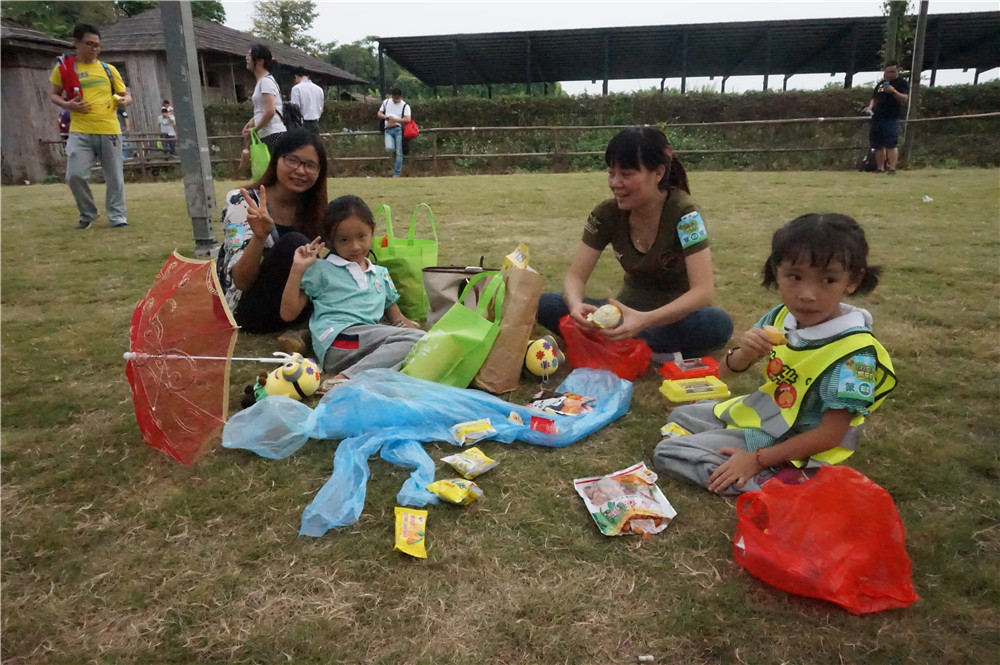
(182, 339)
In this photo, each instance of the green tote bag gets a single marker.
(456, 347)
(260, 156)
(405, 259)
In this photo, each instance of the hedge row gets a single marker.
(967, 142)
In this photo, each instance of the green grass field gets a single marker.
(114, 553)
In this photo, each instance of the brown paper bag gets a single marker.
(502, 370)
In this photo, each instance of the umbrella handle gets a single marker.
(139, 357)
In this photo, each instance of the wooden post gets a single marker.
(913, 108)
(434, 144)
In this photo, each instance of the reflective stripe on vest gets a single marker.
(800, 371)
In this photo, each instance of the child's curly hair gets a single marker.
(821, 239)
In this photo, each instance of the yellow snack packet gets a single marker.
(457, 491)
(670, 430)
(470, 463)
(411, 528)
(472, 431)
(519, 258)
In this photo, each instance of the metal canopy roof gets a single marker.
(967, 40)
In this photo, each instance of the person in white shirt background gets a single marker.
(309, 98)
(396, 113)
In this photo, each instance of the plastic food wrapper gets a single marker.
(563, 404)
(472, 431)
(411, 532)
(470, 463)
(626, 501)
(457, 491)
(671, 430)
(519, 258)
(380, 410)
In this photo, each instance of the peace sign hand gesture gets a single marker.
(257, 216)
(306, 255)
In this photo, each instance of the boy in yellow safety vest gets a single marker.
(824, 370)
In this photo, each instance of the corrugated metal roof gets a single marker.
(967, 40)
(144, 32)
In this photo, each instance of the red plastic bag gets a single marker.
(628, 358)
(837, 537)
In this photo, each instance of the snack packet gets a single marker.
(563, 404)
(626, 501)
(411, 528)
(472, 431)
(457, 491)
(671, 430)
(470, 463)
(519, 258)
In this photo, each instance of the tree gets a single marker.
(58, 18)
(285, 21)
(898, 31)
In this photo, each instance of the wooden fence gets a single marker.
(150, 156)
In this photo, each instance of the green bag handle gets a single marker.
(413, 221)
(254, 139)
(386, 212)
(496, 288)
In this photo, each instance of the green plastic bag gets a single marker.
(405, 259)
(456, 347)
(260, 156)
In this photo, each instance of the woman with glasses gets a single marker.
(263, 224)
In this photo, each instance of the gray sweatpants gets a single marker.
(378, 346)
(697, 456)
(81, 150)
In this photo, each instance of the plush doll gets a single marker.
(297, 378)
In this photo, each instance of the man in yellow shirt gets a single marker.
(92, 92)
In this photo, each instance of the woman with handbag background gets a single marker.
(263, 224)
(660, 240)
(266, 97)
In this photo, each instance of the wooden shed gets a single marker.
(27, 58)
(136, 46)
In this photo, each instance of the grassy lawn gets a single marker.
(114, 553)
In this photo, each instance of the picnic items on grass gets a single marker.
(405, 259)
(386, 412)
(837, 537)
(626, 502)
(628, 358)
(501, 372)
(456, 346)
(260, 155)
(181, 342)
(444, 284)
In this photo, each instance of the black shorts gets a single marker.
(884, 133)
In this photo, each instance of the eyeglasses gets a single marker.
(293, 162)
(92, 44)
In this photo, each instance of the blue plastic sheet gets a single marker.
(383, 410)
